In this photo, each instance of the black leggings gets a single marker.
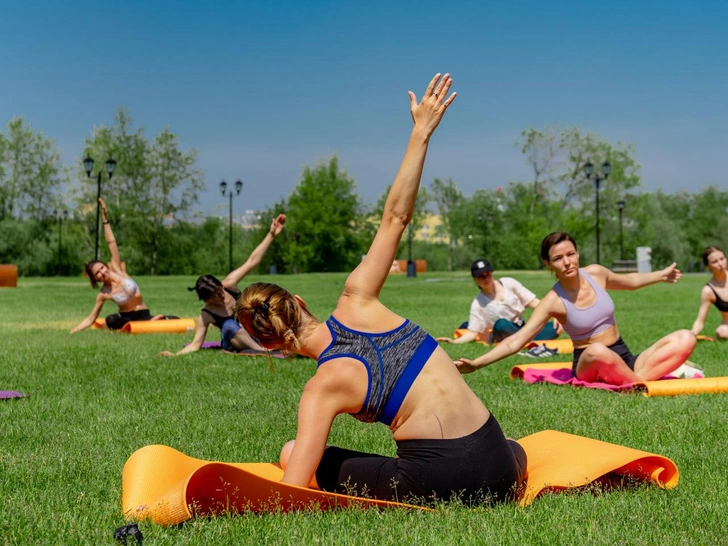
(479, 468)
(117, 321)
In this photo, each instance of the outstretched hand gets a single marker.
(103, 210)
(428, 113)
(276, 226)
(671, 273)
(465, 365)
(444, 339)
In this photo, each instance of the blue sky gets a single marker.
(262, 89)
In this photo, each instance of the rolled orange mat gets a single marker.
(168, 487)
(563, 345)
(162, 326)
(677, 387)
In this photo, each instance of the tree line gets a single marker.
(153, 192)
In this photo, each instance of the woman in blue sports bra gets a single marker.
(220, 299)
(378, 366)
(580, 302)
(117, 287)
(714, 292)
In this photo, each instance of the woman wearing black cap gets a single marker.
(497, 310)
(220, 299)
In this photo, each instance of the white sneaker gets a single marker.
(686, 371)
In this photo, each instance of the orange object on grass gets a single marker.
(168, 487)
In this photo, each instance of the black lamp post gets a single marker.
(411, 266)
(606, 169)
(238, 189)
(60, 246)
(620, 206)
(88, 166)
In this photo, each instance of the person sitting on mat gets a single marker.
(220, 299)
(497, 310)
(117, 286)
(378, 366)
(715, 291)
(579, 300)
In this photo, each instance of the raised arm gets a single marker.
(328, 393)
(633, 281)
(253, 261)
(110, 240)
(706, 300)
(514, 343)
(367, 279)
(196, 343)
(89, 320)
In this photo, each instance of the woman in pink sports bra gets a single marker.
(579, 300)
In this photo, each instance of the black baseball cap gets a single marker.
(479, 267)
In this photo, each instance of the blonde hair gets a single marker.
(271, 315)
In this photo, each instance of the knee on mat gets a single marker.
(286, 453)
(115, 322)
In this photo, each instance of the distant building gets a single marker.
(428, 230)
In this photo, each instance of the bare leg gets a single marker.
(665, 356)
(286, 451)
(599, 363)
(721, 331)
(242, 340)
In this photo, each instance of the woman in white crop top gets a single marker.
(580, 302)
(117, 287)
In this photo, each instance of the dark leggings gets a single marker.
(504, 328)
(479, 468)
(117, 321)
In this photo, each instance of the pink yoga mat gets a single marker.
(7, 395)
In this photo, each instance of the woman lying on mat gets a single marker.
(220, 299)
(579, 300)
(378, 366)
(715, 291)
(117, 286)
(498, 308)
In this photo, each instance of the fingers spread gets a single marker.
(431, 86)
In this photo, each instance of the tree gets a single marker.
(30, 172)
(447, 196)
(325, 221)
(153, 183)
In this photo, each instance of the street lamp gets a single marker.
(60, 222)
(88, 166)
(411, 266)
(606, 169)
(620, 206)
(238, 189)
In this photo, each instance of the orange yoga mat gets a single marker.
(168, 487)
(517, 371)
(562, 345)
(171, 326)
(662, 387)
(162, 326)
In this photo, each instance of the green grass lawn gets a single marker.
(96, 397)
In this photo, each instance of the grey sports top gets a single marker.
(393, 361)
